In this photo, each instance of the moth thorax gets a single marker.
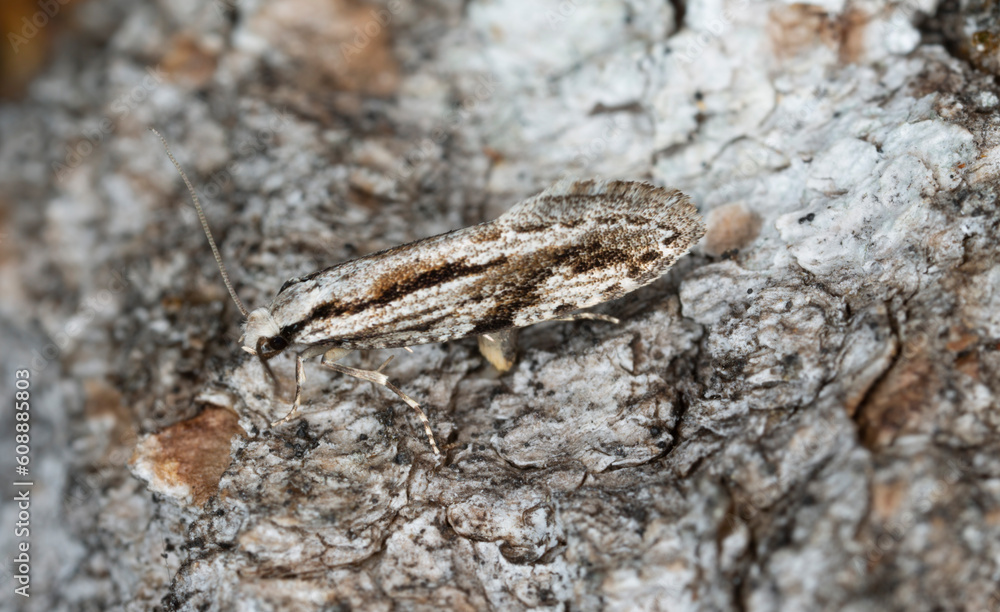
(260, 324)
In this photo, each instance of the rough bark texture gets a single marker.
(802, 415)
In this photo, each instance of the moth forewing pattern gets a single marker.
(575, 245)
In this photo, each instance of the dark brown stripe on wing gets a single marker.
(394, 285)
(524, 286)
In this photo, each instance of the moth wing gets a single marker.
(576, 244)
(580, 243)
(570, 201)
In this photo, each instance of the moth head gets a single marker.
(262, 336)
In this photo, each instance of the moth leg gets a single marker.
(377, 377)
(300, 377)
(267, 367)
(588, 316)
(500, 348)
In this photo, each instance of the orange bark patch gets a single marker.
(964, 344)
(186, 460)
(798, 27)
(898, 401)
(344, 41)
(188, 62)
(29, 28)
(731, 227)
(887, 499)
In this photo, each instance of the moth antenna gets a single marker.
(204, 225)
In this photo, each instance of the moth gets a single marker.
(577, 244)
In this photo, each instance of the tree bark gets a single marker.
(802, 415)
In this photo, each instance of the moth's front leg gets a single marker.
(300, 376)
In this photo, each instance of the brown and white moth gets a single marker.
(574, 245)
